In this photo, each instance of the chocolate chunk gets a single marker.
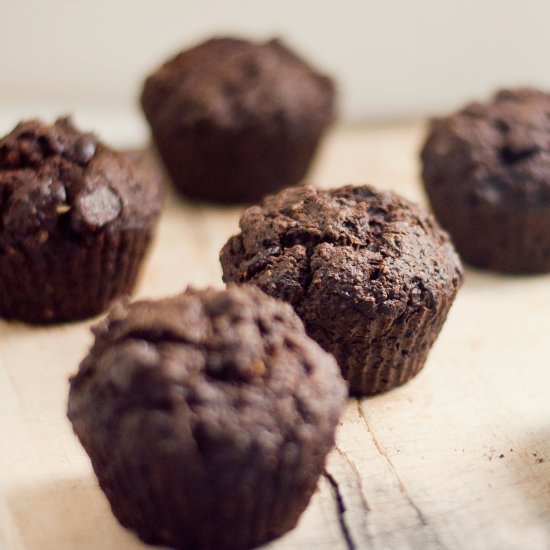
(85, 149)
(100, 206)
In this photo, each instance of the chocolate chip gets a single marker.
(84, 149)
(513, 155)
(99, 207)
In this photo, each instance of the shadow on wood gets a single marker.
(71, 513)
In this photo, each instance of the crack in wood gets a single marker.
(385, 456)
(358, 479)
(358, 489)
(420, 515)
(341, 510)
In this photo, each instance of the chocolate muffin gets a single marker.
(207, 417)
(486, 170)
(234, 120)
(76, 219)
(371, 275)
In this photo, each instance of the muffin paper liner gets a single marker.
(157, 503)
(395, 350)
(62, 280)
(506, 239)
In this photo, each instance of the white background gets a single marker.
(392, 59)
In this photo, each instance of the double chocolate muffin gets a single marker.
(76, 219)
(371, 275)
(486, 170)
(234, 120)
(207, 417)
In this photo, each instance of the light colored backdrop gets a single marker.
(393, 59)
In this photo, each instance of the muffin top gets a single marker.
(233, 84)
(350, 245)
(495, 153)
(220, 374)
(57, 181)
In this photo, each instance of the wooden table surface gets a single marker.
(457, 458)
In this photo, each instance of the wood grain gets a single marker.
(457, 458)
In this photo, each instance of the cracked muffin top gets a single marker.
(318, 249)
(57, 180)
(234, 83)
(494, 153)
(233, 371)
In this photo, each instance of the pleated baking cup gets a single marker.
(54, 280)
(171, 502)
(248, 164)
(392, 352)
(504, 238)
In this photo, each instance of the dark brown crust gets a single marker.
(486, 170)
(207, 417)
(371, 275)
(233, 120)
(76, 219)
